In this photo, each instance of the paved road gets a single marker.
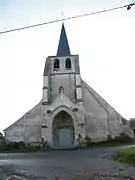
(88, 164)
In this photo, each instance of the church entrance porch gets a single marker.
(63, 130)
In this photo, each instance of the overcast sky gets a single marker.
(105, 44)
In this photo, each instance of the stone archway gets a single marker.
(63, 130)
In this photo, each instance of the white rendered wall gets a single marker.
(45, 95)
(79, 93)
(45, 88)
(45, 81)
(78, 80)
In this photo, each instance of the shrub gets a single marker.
(12, 145)
(109, 137)
(123, 138)
(2, 146)
(23, 147)
(88, 141)
(118, 140)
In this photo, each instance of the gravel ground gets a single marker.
(94, 164)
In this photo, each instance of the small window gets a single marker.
(68, 63)
(56, 64)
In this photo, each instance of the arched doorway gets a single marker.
(63, 130)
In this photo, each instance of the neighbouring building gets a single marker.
(70, 109)
(132, 125)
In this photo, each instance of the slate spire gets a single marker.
(63, 47)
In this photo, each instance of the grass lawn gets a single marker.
(21, 147)
(126, 156)
(109, 144)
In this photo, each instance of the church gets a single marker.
(70, 110)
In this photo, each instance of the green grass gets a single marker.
(109, 144)
(21, 147)
(25, 150)
(126, 156)
(112, 144)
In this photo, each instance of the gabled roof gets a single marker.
(107, 107)
(63, 47)
(23, 117)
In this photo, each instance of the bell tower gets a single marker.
(62, 71)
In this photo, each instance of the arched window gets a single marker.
(56, 64)
(68, 63)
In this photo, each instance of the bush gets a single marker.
(87, 141)
(123, 138)
(22, 147)
(118, 140)
(14, 145)
(2, 146)
(109, 137)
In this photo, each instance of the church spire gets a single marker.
(63, 47)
